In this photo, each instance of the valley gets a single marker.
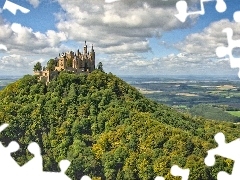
(186, 92)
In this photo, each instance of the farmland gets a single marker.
(186, 92)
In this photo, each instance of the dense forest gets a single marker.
(107, 129)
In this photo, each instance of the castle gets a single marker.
(74, 62)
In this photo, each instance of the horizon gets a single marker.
(138, 76)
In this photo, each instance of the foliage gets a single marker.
(100, 66)
(210, 112)
(51, 65)
(37, 67)
(69, 62)
(106, 128)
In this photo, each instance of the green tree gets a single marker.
(107, 129)
(37, 67)
(100, 66)
(51, 65)
(70, 62)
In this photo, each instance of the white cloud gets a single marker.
(113, 27)
(34, 3)
(24, 46)
(23, 40)
(206, 42)
(121, 30)
(16, 64)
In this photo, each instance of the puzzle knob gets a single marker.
(221, 6)
(159, 178)
(13, 146)
(64, 164)
(3, 126)
(209, 160)
(220, 138)
(236, 16)
(223, 176)
(34, 148)
(86, 178)
(182, 10)
(177, 171)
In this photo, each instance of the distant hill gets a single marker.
(210, 112)
(107, 129)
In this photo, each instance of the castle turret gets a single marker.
(85, 49)
(92, 55)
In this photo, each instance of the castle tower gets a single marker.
(61, 62)
(92, 55)
(85, 48)
(74, 63)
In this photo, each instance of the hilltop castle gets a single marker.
(74, 62)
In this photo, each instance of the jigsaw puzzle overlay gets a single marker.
(33, 169)
(227, 150)
(12, 7)
(182, 9)
(223, 51)
(220, 7)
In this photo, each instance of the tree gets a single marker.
(100, 66)
(37, 67)
(51, 65)
(70, 62)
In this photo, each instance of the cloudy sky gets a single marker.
(130, 37)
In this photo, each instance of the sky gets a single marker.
(130, 37)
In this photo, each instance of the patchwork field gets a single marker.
(185, 93)
(234, 113)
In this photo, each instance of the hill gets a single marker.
(107, 129)
(210, 112)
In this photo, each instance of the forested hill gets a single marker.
(107, 129)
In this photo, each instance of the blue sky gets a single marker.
(130, 37)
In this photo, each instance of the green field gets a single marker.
(234, 113)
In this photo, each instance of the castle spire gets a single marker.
(85, 48)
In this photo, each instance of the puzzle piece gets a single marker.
(5, 156)
(12, 7)
(223, 51)
(85, 178)
(182, 9)
(236, 16)
(227, 150)
(3, 126)
(35, 165)
(64, 164)
(33, 169)
(177, 171)
(159, 178)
